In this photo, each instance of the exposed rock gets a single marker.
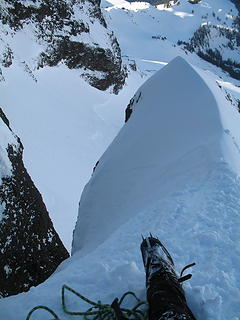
(237, 4)
(194, 1)
(4, 118)
(30, 248)
(80, 55)
(204, 44)
(166, 3)
(7, 57)
(133, 102)
(68, 33)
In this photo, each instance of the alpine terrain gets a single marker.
(172, 170)
(72, 72)
(57, 58)
(72, 122)
(30, 247)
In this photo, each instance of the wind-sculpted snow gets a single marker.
(170, 171)
(173, 134)
(61, 119)
(173, 170)
(198, 224)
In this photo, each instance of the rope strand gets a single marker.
(98, 310)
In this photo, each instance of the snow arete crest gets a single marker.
(172, 171)
(175, 136)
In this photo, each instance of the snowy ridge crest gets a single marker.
(171, 171)
(179, 130)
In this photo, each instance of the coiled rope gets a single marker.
(99, 311)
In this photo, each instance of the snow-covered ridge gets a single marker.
(158, 177)
(210, 29)
(90, 118)
(180, 129)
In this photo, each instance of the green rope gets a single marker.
(45, 308)
(98, 311)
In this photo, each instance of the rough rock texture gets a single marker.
(201, 44)
(133, 102)
(72, 32)
(215, 43)
(30, 248)
(167, 3)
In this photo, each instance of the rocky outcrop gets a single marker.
(203, 44)
(30, 248)
(237, 4)
(194, 1)
(132, 103)
(72, 32)
(167, 3)
(218, 43)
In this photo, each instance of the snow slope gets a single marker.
(179, 126)
(150, 34)
(173, 171)
(65, 125)
(147, 24)
(177, 118)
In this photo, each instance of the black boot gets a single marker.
(165, 294)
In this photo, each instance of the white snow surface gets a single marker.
(64, 124)
(177, 117)
(173, 171)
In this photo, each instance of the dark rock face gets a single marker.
(78, 55)
(237, 4)
(62, 28)
(133, 102)
(30, 248)
(194, 1)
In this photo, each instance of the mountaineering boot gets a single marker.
(165, 294)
